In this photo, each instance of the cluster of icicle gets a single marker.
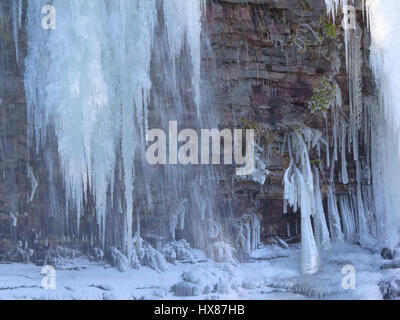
(383, 116)
(350, 216)
(260, 172)
(89, 80)
(302, 190)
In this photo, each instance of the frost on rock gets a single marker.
(194, 284)
(198, 282)
(222, 252)
(96, 254)
(178, 251)
(260, 172)
(153, 259)
(20, 255)
(119, 260)
(143, 254)
(247, 235)
(186, 289)
(59, 256)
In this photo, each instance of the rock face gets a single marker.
(263, 77)
(260, 61)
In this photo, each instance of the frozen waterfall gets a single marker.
(91, 86)
(385, 29)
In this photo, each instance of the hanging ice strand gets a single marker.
(16, 13)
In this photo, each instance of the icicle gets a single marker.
(369, 209)
(16, 14)
(345, 177)
(34, 183)
(256, 232)
(334, 134)
(299, 191)
(334, 219)
(305, 163)
(248, 233)
(321, 229)
(327, 146)
(189, 25)
(309, 254)
(362, 221)
(332, 172)
(348, 221)
(288, 192)
(177, 217)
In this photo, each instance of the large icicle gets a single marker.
(348, 219)
(187, 26)
(309, 254)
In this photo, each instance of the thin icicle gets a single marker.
(321, 229)
(334, 219)
(345, 177)
(347, 214)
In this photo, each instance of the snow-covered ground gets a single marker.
(273, 273)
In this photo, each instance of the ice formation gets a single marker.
(322, 236)
(248, 235)
(97, 108)
(73, 86)
(385, 28)
(16, 12)
(299, 193)
(334, 219)
(379, 132)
